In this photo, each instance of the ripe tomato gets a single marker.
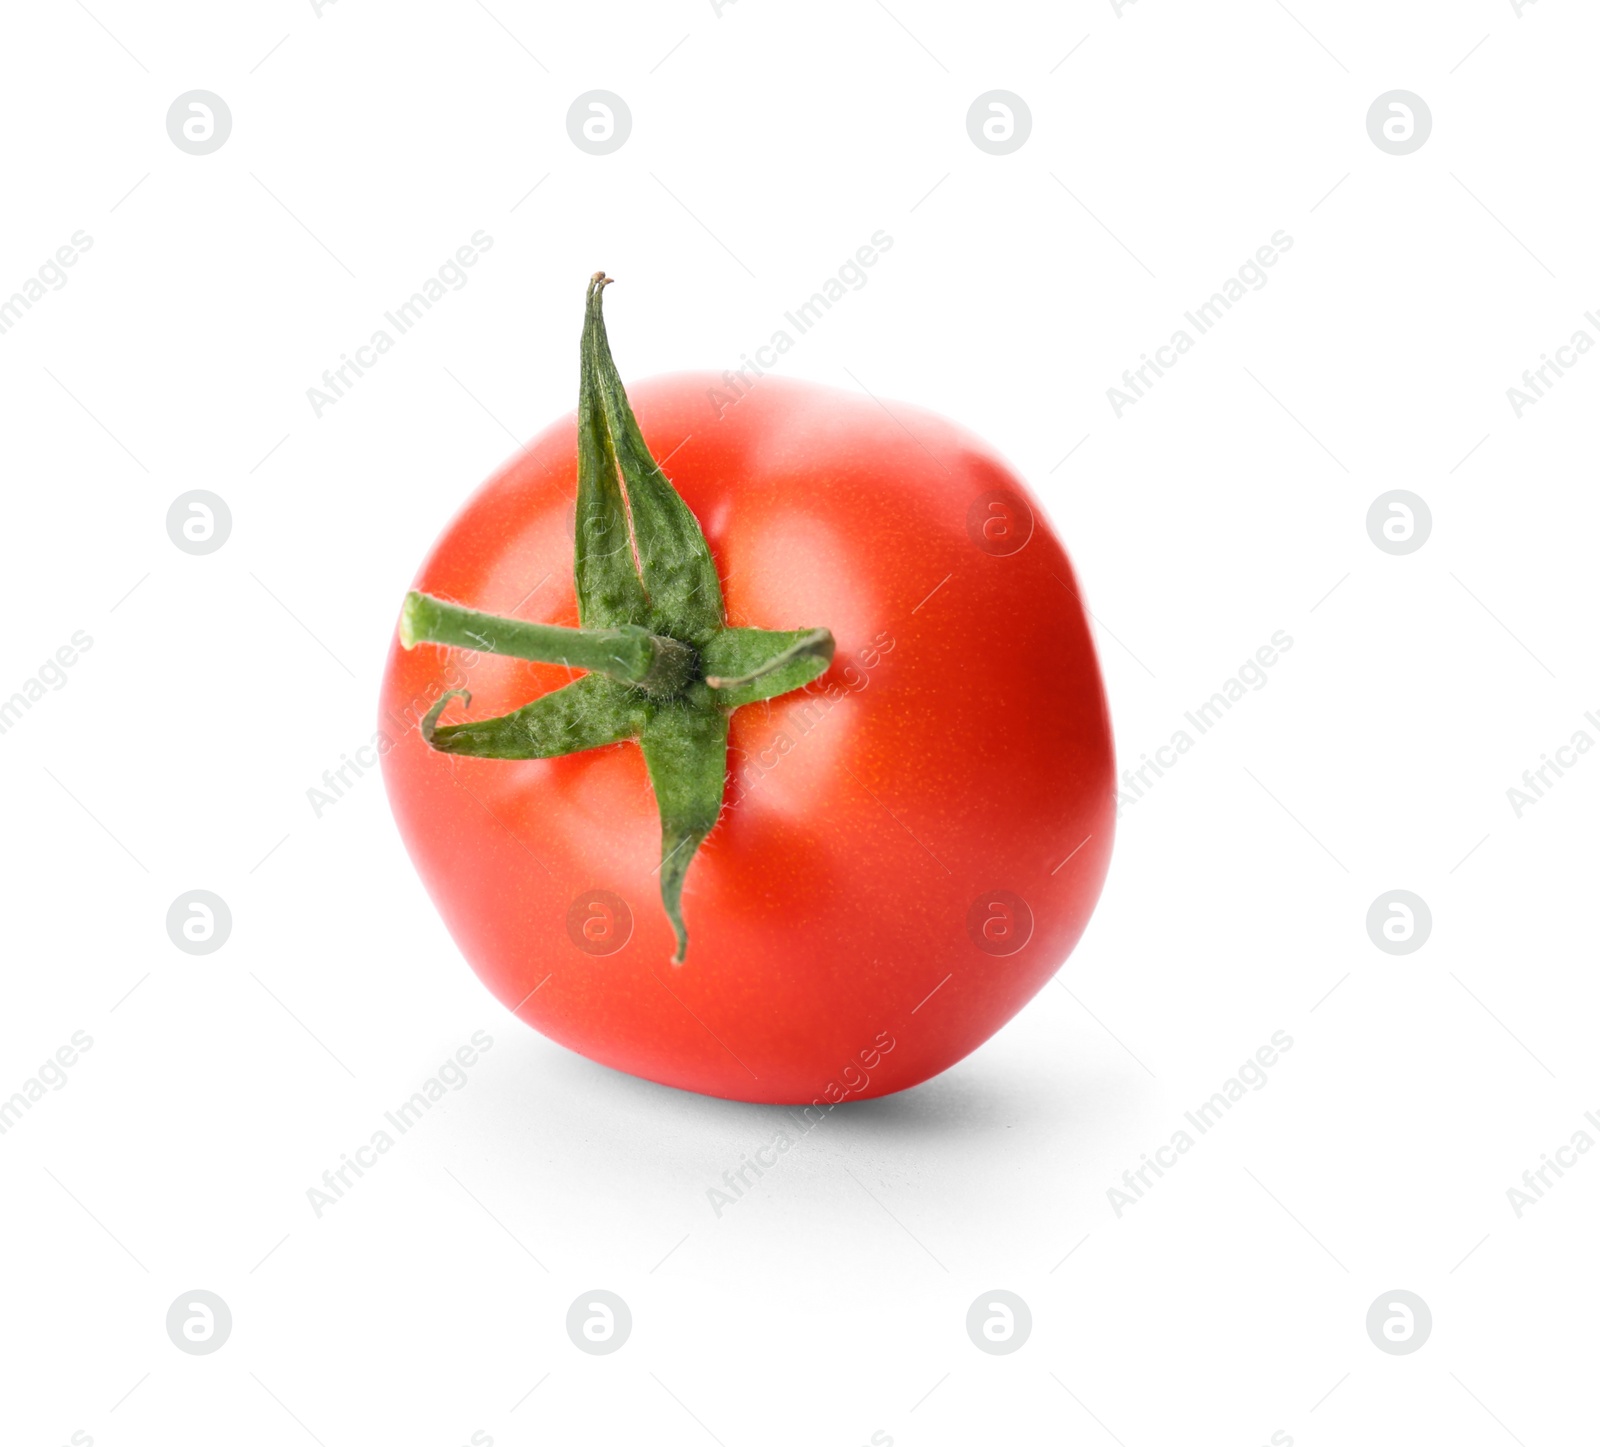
(908, 847)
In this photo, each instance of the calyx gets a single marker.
(661, 665)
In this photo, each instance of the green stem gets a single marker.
(630, 654)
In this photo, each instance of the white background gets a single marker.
(769, 142)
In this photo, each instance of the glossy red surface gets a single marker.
(958, 746)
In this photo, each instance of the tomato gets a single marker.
(908, 846)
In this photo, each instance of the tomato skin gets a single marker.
(958, 745)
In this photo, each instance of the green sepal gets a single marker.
(686, 751)
(663, 667)
(641, 557)
(610, 590)
(589, 713)
(746, 665)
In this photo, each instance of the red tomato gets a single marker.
(909, 847)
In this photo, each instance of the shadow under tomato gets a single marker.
(588, 1165)
(540, 1088)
